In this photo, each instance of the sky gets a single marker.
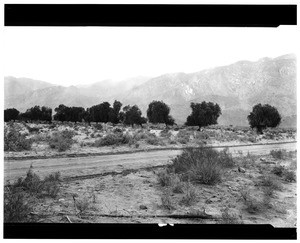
(82, 55)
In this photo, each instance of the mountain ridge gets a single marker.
(236, 87)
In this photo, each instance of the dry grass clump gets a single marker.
(15, 141)
(253, 205)
(61, 141)
(166, 201)
(155, 141)
(164, 178)
(229, 218)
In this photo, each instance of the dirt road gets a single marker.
(83, 166)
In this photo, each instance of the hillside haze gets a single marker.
(236, 88)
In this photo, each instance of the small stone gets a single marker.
(61, 200)
(143, 207)
(241, 169)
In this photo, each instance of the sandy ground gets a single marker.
(136, 198)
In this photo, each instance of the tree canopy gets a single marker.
(263, 116)
(203, 114)
(37, 113)
(11, 114)
(158, 112)
(132, 115)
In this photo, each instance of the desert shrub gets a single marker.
(253, 206)
(228, 218)
(190, 195)
(166, 201)
(17, 206)
(165, 134)
(290, 176)
(201, 165)
(117, 130)
(270, 181)
(183, 140)
(15, 141)
(61, 141)
(177, 185)
(98, 126)
(164, 179)
(278, 170)
(82, 205)
(154, 141)
(113, 139)
(226, 158)
(33, 129)
(136, 145)
(278, 154)
(173, 142)
(92, 135)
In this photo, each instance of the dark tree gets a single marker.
(133, 115)
(37, 113)
(11, 114)
(100, 113)
(113, 115)
(62, 113)
(158, 112)
(203, 114)
(263, 116)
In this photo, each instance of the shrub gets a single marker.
(113, 139)
(190, 195)
(164, 178)
(226, 158)
(201, 165)
(269, 181)
(252, 204)
(82, 205)
(165, 134)
(278, 170)
(61, 141)
(278, 154)
(228, 218)
(154, 141)
(15, 141)
(16, 206)
(166, 202)
(98, 126)
(177, 185)
(183, 140)
(290, 176)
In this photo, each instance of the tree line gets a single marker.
(203, 114)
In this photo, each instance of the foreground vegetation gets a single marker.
(199, 185)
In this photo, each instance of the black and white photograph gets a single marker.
(150, 125)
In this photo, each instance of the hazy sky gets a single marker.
(82, 55)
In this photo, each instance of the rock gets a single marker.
(143, 207)
(241, 169)
(262, 159)
(61, 200)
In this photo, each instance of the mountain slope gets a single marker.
(236, 88)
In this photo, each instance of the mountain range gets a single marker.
(236, 88)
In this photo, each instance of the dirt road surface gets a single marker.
(96, 165)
